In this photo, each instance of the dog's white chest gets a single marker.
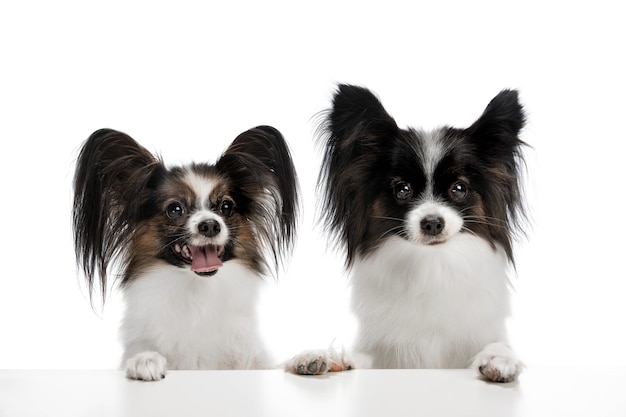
(423, 306)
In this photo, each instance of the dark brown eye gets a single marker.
(227, 207)
(402, 191)
(174, 210)
(458, 191)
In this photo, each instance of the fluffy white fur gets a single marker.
(437, 306)
(420, 306)
(177, 320)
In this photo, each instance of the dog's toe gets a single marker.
(314, 362)
(316, 367)
(146, 366)
(497, 363)
(496, 374)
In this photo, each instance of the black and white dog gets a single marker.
(427, 221)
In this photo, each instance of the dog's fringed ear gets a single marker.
(357, 115)
(112, 173)
(495, 138)
(496, 131)
(260, 164)
(357, 134)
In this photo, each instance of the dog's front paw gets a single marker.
(498, 363)
(311, 362)
(318, 362)
(146, 366)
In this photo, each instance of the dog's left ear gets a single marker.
(260, 165)
(496, 131)
(495, 138)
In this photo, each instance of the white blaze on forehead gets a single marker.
(202, 187)
(432, 150)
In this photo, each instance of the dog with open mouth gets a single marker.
(189, 246)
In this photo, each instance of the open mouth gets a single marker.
(204, 260)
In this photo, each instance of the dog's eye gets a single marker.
(174, 210)
(227, 207)
(402, 191)
(458, 191)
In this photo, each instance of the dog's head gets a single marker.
(129, 207)
(379, 180)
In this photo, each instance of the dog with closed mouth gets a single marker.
(427, 220)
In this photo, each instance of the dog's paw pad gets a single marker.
(312, 366)
(146, 366)
(316, 367)
(314, 362)
(319, 362)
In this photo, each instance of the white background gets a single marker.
(184, 78)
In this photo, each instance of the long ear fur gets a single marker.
(357, 136)
(495, 137)
(112, 172)
(260, 165)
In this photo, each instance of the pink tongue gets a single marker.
(204, 259)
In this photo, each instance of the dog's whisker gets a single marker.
(488, 223)
(392, 230)
(387, 218)
(468, 230)
(493, 219)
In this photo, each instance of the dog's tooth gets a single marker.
(177, 248)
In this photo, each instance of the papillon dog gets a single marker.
(427, 220)
(189, 246)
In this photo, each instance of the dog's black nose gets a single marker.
(209, 228)
(432, 225)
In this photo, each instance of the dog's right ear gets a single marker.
(357, 114)
(357, 134)
(112, 175)
(115, 157)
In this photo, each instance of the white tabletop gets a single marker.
(539, 392)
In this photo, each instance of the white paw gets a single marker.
(498, 363)
(146, 366)
(318, 362)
